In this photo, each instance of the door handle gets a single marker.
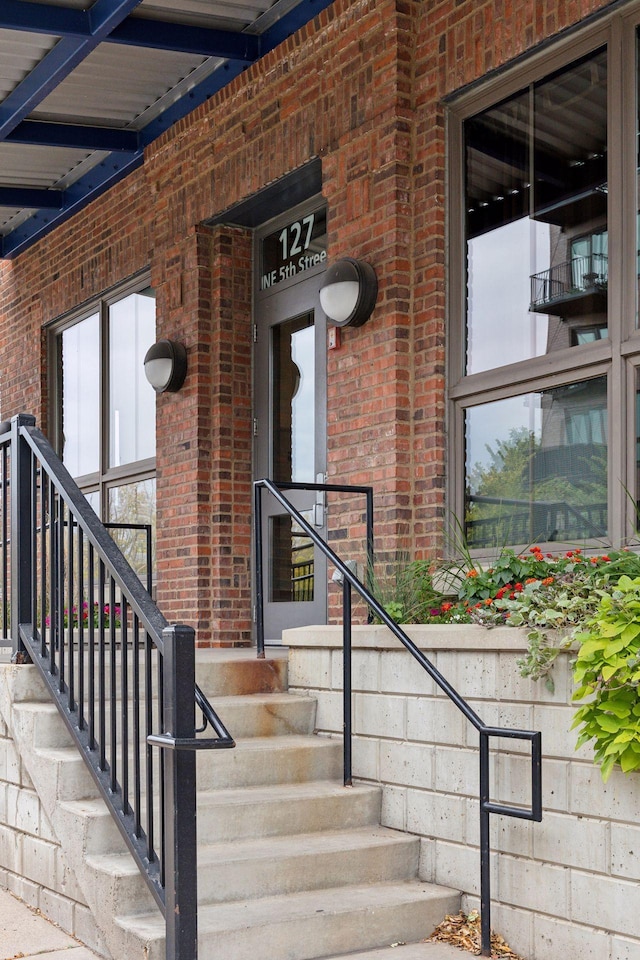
(319, 505)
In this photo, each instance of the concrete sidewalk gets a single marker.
(25, 933)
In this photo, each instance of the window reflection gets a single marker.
(536, 208)
(132, 400)
(79, 361)
(536, 466)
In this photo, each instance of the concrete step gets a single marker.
(243, 870)
(236, 673)
(305, 926)
(268, 760)
(284, 808)
(265, 714)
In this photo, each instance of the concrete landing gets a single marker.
(25, 933)
(410, 951)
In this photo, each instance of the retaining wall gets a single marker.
(568, 886)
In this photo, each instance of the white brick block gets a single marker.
(9, 762)
(23, 810)
(474, 676)
(458, 866)
(516, 927)
(436, 815)
(606, 902)
(380, 716)
(513, 686)
(58, 909)
(533, 885)
(625, 949)
(364, 670)
(456, 771)
(508, 834)
(85, 929)
(427, 861)
(25, 889)
(365, 758)
(556, 938)
(401, 673)
(511, 716)
(406, 764)
(572, 841)
(10, 850)
(309, 668)
(512, 775)
(435, 720)
(618, 799)
(558, 740)
(329, 710)
(625, 851)
(39, 862)
(555, 784)
(394, 808)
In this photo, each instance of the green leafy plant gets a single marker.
(408, 595)
(607, 672)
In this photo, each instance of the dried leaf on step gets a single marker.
(463, 931)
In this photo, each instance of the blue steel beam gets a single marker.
(200, 41)
(30, 198)
(156, 34)
(59, 62)
(71, 201)
(70, 135)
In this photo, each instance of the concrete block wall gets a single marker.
(31, 863)
(568, 886)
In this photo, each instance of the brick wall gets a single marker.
(361, 86)
(567, 886)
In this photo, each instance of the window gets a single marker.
(543, 306)
(105, 413)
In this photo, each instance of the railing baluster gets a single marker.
(102, 679)
(91, 652)
(346, 681)
(61, 594)
(72, 609)
(124, 702)
(53, 578)
(148, 702)
(81, 628)
(44, 522)
(113, 763)
(137, 779)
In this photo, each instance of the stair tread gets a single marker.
(285, 908)
(270, 848)
(275, 792)
(423, 950)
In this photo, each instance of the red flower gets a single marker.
(445, 607)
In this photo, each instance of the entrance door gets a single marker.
(290, 428)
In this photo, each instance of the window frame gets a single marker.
(106, 477)
(617, 356)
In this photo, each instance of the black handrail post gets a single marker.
(346, 681)
(257, 515)
(181, 891)
(21, 537)
(485, 861)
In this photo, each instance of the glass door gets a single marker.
(290, 429)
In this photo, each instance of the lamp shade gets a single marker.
(348, 292)
(165, 366)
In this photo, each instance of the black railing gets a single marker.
(571, 278)
(531, 521)
(122, 677)
(350, 581)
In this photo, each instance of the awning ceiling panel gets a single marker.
(85, 85)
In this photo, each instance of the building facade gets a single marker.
(483, 158)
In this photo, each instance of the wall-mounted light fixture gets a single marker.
(348, 292)
(165, 365)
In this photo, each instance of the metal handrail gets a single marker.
(122, 678)
(367, 492)
(487, 807)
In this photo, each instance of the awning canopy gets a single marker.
(85, 85)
